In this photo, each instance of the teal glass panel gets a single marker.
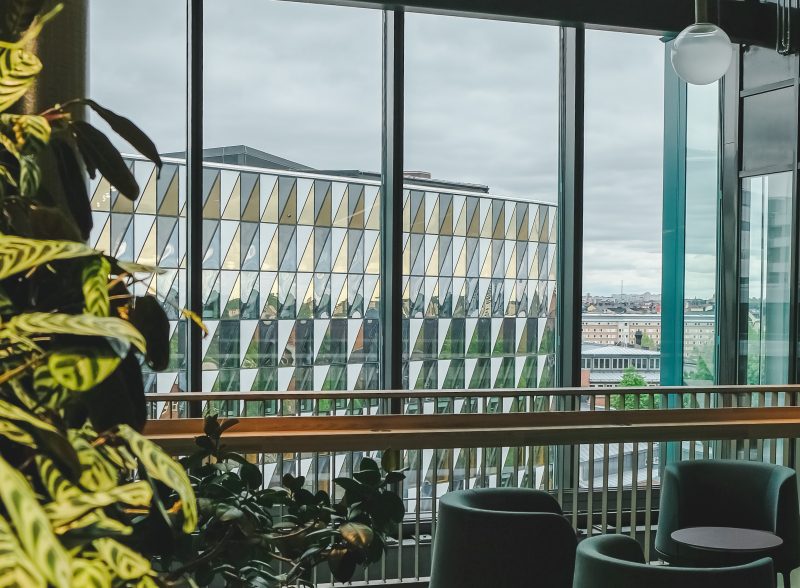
(702, 192)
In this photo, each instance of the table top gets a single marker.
(727, 539)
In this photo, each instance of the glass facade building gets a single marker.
(291, 266)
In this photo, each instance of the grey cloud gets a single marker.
(304, 82)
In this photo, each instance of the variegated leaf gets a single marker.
(43, 323)
(57, 486)
(162, 467)
(18, 71)
(125, 562)
(70, 509)
(95, 286)
(32, 131)
(14, 413)
(90, 573)
(13, 433)
(33, 528)
(19, 254)
(16, 568)
(81, 369)
(97, 473)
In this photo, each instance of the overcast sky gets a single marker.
(303, 81)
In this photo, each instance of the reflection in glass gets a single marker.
(767, 139)
(764, 282)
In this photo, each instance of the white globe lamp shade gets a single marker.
(701, 53)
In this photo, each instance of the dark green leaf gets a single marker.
(395, 477)
(148, 316)
(369, 477)
(350, 485)
(227, 424)
(251, 475)
(204, 442)
(211, 426)
(342, 563)
(73, 185)
(367, 463)
(128, 131)
(99, 154)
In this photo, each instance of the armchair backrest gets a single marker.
(502, 538)
(730, 493)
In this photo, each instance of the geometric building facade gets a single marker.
(291, 276)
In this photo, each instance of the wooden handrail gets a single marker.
(499, 393)
(335, 433)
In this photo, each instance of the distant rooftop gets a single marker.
(595, 349)
(251, 157)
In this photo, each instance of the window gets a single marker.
(291, 190)
(135, 55)
(481, 115)
(624, 119)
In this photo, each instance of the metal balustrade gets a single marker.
(606, 476)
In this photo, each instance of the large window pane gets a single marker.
(764, 283)
(700, 282)
(137, 68)
(623, 209)
(481, 121)
(291, 196)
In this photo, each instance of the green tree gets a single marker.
(633, 379)
(647, 342)
(702, 371)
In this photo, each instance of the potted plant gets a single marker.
(251, 536)
(86, 500)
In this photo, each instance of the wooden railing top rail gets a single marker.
(332, 433)
(499, 393)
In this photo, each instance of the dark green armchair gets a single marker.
(617, 561)
(502, 538)
(719, 493)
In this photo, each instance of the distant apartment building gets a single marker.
(622, 329)
(603, 366)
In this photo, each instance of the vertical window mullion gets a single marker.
(391, 269)
(194, 196)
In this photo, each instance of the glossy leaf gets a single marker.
(165, 469)
(19, 254)
(33, 528)
(99, 154)
(356, 534)
(342, 563)
(82, 368)
(391, 460)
